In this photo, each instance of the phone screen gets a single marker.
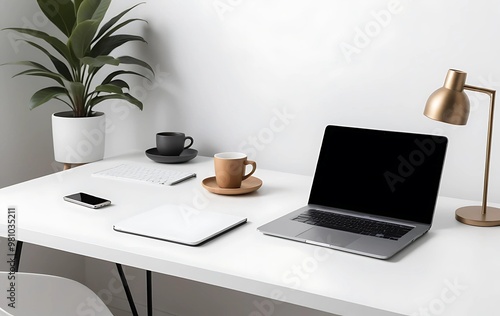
(88, 199)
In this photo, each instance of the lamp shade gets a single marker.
(450, 104)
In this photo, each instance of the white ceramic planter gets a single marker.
(78, 139)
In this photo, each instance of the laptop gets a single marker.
(373, 192)
(179, 224)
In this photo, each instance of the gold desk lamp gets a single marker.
(450, 104)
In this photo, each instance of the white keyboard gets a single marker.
(145, 174)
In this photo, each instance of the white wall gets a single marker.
(266, 77)
(25, 136)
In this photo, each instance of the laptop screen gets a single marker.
(385, 173)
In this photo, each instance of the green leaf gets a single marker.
(100, 61)
(82, 36)
(125, 96)
(92, 10)
(112, 75)
(115, 19)
(39, 73)
(107, 44)
(76, 90)
(27, 63)
(89, 16)
(109, 88)
(120, 83)
(76, 93)
(60, 66)
(116, 28)
(57, 44)
(61, 13)
(43, 96)
(77, 5)
(27, 72)
(134, 61)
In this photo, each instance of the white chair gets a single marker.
(46, 295)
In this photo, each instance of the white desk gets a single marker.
(452, 270)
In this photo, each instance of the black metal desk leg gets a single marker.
(17, 255)
(127, 290)
(149, 292)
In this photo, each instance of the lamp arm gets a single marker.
(491, 93)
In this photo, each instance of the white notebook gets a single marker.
(180, 224)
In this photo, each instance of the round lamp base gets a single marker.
(471, 215)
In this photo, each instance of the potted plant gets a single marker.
(77, 55)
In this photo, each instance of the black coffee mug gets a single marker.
(172, 143)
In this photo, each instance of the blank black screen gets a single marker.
(386, 173)
(87, 198)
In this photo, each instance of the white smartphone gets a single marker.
(87, 200)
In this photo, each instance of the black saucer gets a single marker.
(186, 155)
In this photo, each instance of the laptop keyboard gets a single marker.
(353, 224)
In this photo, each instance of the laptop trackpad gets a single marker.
(328, 236)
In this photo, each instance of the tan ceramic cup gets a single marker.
(230, 169)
